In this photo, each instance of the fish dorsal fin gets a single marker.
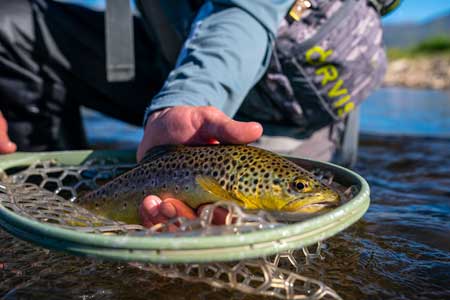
(211, 185)
(159, 151)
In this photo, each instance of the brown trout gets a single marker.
(251, 177)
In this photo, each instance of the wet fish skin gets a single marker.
(252, 177)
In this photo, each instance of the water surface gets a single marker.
(399, 250)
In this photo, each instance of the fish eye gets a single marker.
(300, 185)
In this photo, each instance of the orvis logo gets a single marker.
(342, 103)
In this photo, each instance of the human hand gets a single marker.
(189, 125)
(153, 211)
(6, 146)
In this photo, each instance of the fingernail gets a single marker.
(154, 209)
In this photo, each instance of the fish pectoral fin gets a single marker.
(211, 185)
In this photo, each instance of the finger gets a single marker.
(150, 205)
(146, 209)
(144, 218)
(219, 126)
(172, 207)
(168, 210)
(6, 146)
(149, 211)
(219, 215)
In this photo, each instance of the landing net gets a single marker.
(253, 252)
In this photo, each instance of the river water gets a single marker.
(399, 250)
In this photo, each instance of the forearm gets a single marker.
(225, 55)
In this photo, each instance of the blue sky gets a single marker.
(418, 11)
(409, 10)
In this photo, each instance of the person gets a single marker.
(52, 61)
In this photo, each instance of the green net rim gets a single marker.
(165, 249)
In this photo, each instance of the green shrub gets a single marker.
(431, 46)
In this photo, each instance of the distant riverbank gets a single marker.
(425, 65)
(419, 72)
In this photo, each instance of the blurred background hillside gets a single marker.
(417, 37)
(409, 34)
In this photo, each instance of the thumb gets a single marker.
(6, 146)
(226, 130)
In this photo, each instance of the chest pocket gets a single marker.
(327, 63)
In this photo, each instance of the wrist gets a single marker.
(157, 114)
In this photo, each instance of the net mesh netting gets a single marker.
(45, 192)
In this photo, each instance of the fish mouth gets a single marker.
(314, 203)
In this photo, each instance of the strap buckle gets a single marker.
(299, 8)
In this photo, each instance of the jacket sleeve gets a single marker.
(226, 53)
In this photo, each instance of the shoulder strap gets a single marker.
(349, 146)
(119, 41)
(164, 32)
